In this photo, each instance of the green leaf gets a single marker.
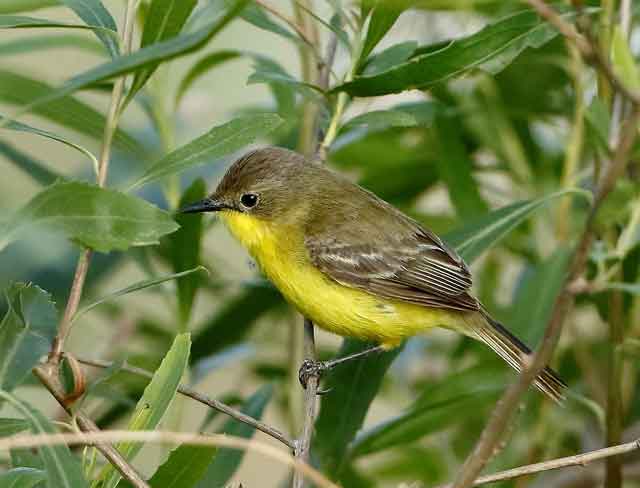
(13, 6)
(37, 170)
(99, 218)
(62, 467)
(165, 19)
(491, 49)
(182, 248)
(623, 62)
(147, 56)
(22, 478)
(202, 66)
(155, 401)
(94, 13)
(219, 141)
(264, 73)
(26, 332)
(384, 60)
(482, 233)
(632, 288)
(419, 114)
(20, 127)
(66, 111)
(140, 285)
(254, 14)
(232, 322)
(353, 387)
(227, 461)
(12, 426)
(23, 21)
(630, 236)
(383, 16)
(55, 41)
(184, 468)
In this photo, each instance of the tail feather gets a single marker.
(515, 353)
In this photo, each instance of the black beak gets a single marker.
(206, 205)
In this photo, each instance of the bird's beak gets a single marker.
(205, 205)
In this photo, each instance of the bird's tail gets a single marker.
(515, 353)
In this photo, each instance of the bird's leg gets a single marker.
(311, 368)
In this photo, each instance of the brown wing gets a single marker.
(391, 256)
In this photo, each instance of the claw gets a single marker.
(311, 368)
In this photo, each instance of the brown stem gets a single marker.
(48, 376)
(506, 406)
(204, 399)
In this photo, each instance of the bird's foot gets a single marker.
(311, 368)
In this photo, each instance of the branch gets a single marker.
(204, 399)
(506, 406)
(577, 460)
(166, 437)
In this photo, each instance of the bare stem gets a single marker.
(204, 399)
(506, 406)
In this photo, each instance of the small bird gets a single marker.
(349, 261)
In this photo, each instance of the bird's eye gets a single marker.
(249, 200)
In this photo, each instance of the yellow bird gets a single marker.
(351, 262)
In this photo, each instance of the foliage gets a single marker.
(482, 122)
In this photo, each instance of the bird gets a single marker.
(351, 262)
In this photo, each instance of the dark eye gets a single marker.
(249, 200)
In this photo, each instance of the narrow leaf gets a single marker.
(623, 62)
(140, 285)
(26, 332)
(155, 401)
(165, 19)
(255, 15)
(219, 141)
(99, 218)
(22, 478)
(94, 13)
(184, 468)
(632, 288)
(62, 467)
(22, 22)
(383, 16)
(12, 426)
(53, 41)
(14, 6)
(227, 461)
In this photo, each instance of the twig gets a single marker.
(45, 374)
(204, 399)
(166, 437)
(577, 460)
(290, 22)
(103, 166)
(506, 406)
(587, 48)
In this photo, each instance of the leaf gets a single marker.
(633, 288)
(353, 387)
(264, 73)
(23, 21)
(623, 62)
(94, 13)
(165, 19)
(99, 218)
(227, 461)
(22, 478)
(418, 114)
(182, 248)
(147, 56)
(202, 66)
(630, 236)
(184, 468)
(35, 169)
(491, 49)
(66, 111)
(26, 332)
(477, 236)
(63, 468)
(384, 60)
(254, 14)
(13, 6)
(140, 285)
(231, 323)
(383, 16)
(219, 141)
(55, 41)
(20, 127)
(12, 426)
(155, 401)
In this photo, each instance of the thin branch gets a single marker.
(204, 399)
(166, 437)
(103, 166)
(586, 46)
(506, 406)
(577, 460)
(290, 22)
(47, 374)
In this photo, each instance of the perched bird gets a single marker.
(351, 262)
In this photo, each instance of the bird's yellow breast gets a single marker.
(282, 255)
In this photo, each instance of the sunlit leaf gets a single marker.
(219, 141)
(93, 12)
(155, 401)
(62, 467)
(99, 218)
(227, 461)
(26, 332)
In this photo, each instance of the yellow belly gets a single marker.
(345, 311)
